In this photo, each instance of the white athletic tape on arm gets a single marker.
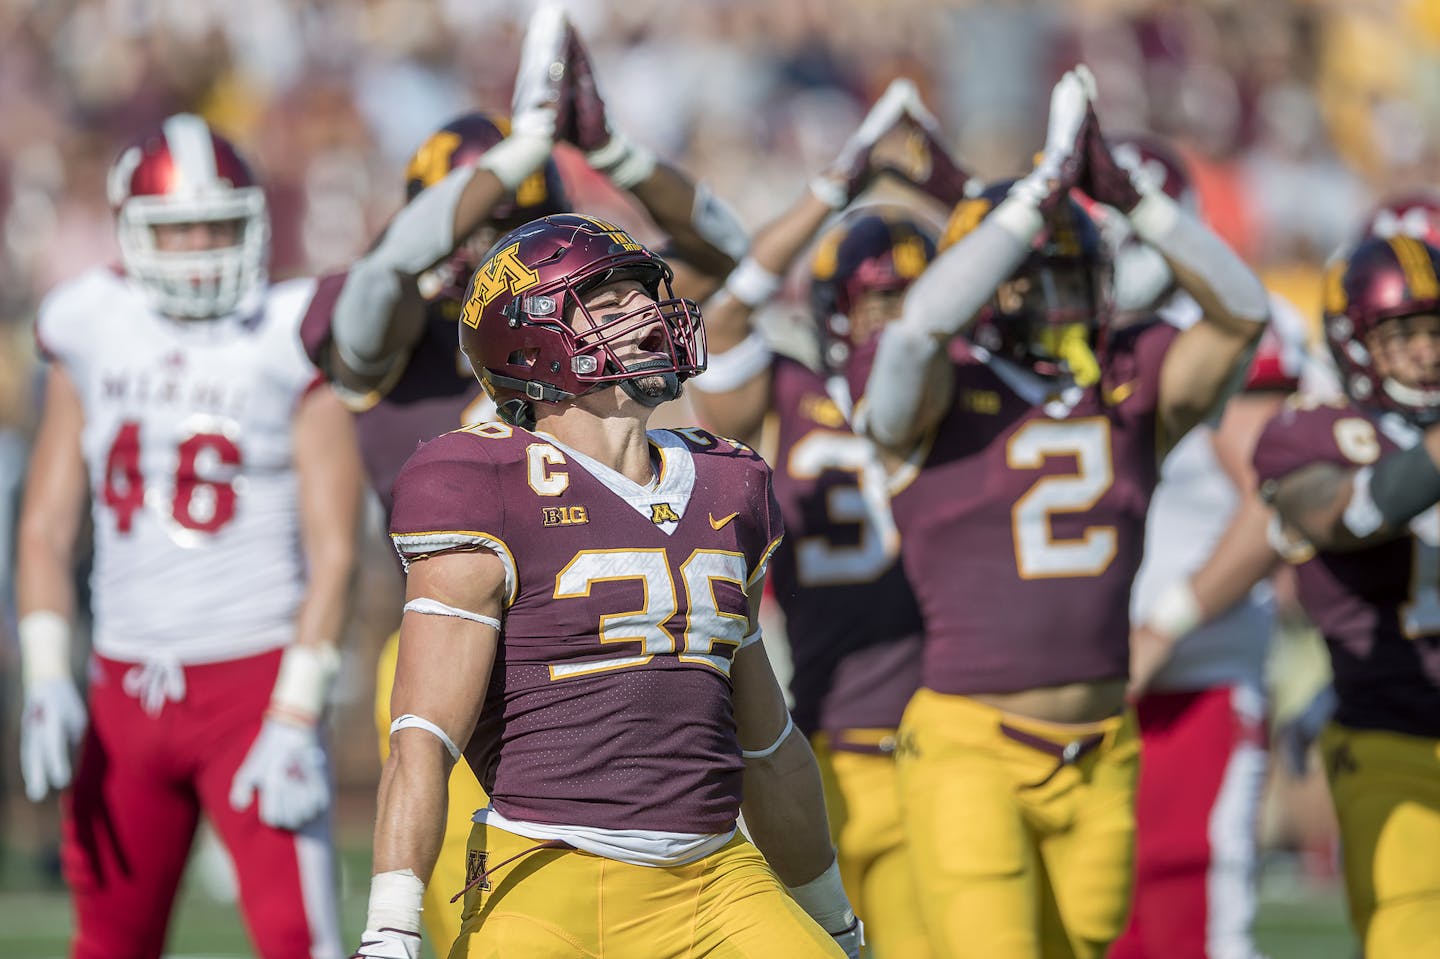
(823, 899)
(830, 192)
(411, 721)
(735, 367)
(718, 223)
(1362, 516)
(1176, 610)
(770, 749)
(433, 607)
(303, 684)
(44, 647)
(395, 899)
(751, 283)
(624, 162)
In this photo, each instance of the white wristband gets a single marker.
(624, 162)
(1019, 217)
(824, 900)
(1154, 216)
(515, 158)
(44, 647)
(395, 898)
(1176, 610)
(830, 192)
(303, 684)
(751, 283)
(736, 366)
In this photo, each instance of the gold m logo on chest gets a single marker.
(663, 513)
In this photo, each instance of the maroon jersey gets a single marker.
(609, 705)
(435, 393)
(1023, 526)
(853, 624)
(1378, 608)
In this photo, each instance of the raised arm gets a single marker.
(1204, 362)
(380, 312)
(784, 802)
(448, 642)
(50, 517)
(909, 388)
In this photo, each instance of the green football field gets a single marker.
(35, 917)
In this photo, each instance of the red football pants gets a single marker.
(1202, 767)
(142, 783)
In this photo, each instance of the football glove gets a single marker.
(1061, 162)
(587, 123)
(927, 163)
(850, 172)
(53, 722)
(286, 766)
(388, 944)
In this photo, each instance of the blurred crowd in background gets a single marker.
(1295, 114)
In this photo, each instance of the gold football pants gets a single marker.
(1022, 849)
(1386, 788)
(862, 798)
(568, 904)
(441, 917)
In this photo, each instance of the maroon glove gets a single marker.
(929, 167)
(1102, 178)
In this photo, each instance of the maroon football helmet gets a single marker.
(184, 172)
(1056, 318)
(1382, 279)
(518, 323)
(459, 143)
(1413, 214)
(876, 251)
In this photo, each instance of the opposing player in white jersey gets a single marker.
(1201, 630)
(223, 489)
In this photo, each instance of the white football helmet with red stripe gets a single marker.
(185, 173)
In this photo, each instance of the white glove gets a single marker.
(849, 174)
(54, 717)
(851, 939)
(286, 765)
(388, 944)
(535, 101)
(1059, 165)
(53, 723)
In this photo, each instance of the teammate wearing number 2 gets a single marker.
(1355, 485)
(223, 488)
(1021, 511)
(580, 619)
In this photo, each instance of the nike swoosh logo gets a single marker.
(720, 523)
(1119, 394)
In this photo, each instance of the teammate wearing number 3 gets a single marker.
(223, 490)
(578, 614)
(1024, 465)
(1355, 486)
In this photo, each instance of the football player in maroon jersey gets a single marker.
(1026, 469)
(589, 636)
(851, 621)
(385, 330)
(1354, 484)
(221, 480)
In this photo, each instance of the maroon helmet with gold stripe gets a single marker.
(518, 323)
(1381, 280)
(1053, 313)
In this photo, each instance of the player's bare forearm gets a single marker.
(53, 504)
(785, 811)
(669, 195)
(412, 804)
(1203, 364)
(327, 461)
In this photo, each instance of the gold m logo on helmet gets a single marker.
(967, 216)
(432, 161)
(502, 272)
